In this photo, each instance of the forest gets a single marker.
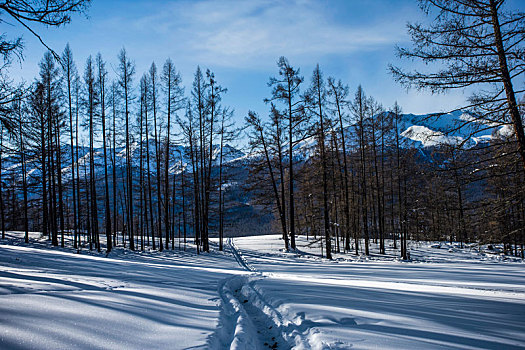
(139, 157)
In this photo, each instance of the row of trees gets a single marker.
(128, 179)
(357, 181)
(102, 158)
(339, 170)
(476, 44)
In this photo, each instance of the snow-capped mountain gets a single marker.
(419, 131)
(457, 127)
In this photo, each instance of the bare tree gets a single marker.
(315, 100)
(69, 73)
(126, 70)
(286, 90)
(101, 83)
(175, 98)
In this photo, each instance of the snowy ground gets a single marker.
(453, 298)
(255, 296)
(57, 299)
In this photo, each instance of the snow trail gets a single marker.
(247, 320)
(241, 260)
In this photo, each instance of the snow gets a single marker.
(257, 296)
(458, 299)
(429, 130)
(57, 299)
(428, 137)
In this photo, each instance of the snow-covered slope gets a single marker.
(424, 130)
(448, 298)
(429, 130)
(255, 296)
(58, 299)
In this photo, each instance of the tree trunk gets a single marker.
(507, 82)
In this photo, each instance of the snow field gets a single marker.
(57, 299)
(458, 299)
(256, 296)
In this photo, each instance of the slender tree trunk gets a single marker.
(334, 190)
(276, 193)
(52, 170)
(328, 245)
(183, 200)
(507, 82)
(173, 197)
(114, 167)
(202, 167)
(88, 207)
(203, 176)
(72, 147)
(150, 201)
(2, 211)
(345, 163)
(77, 159)
(59, 185)
(142, 200)
(291, 173)
(109, 244)
(24, 175)
(383, 194)
(400, 199)
(196, 209)
(220, 189)
(93, 190)
(157, 161)
(166, 166)
(363, 176)
(378, 198)
(282, 181)
(392, 211)
(129, 168)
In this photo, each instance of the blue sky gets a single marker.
(241, 41)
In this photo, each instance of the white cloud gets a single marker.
(246, 33)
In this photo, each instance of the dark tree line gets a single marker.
(381, 187)
(353, 178)
(100, 159)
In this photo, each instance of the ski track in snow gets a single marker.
(247, 320)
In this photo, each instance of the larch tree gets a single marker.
(258, 140)
(146, 93)
(126, 70)
(197, 134)
(286, 89)
(227, 133)
(49, 78)
(113, 158)
(315, 100)
(91, 103)
(69, 72)
(154, 89)
(359, 110)
(338, 92)
(172, 84)
(101, 89)
(214, 109)
(22, 152)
